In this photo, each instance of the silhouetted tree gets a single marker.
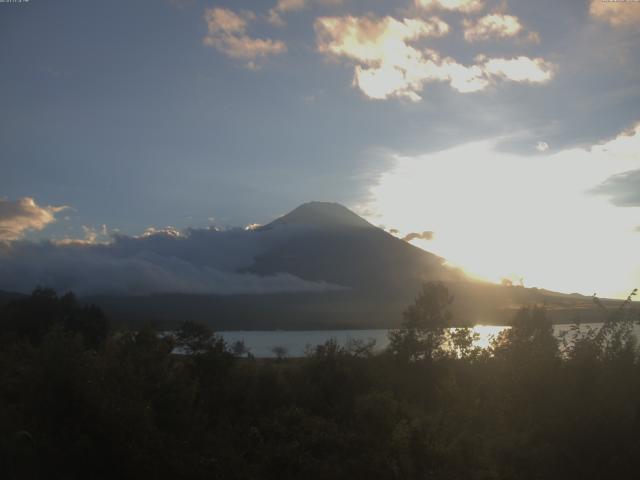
(194, 338)
(138, 408)
(422, 330)
(34, 316)
(280, 352)
(239, 349)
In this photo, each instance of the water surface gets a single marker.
(261, 343)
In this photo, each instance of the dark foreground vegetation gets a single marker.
(80, 401)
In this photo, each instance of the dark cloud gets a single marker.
(198, 262)
(622, 189)
(419, 236)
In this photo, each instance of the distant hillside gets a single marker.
(6, 297)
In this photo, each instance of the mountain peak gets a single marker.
(323, 214)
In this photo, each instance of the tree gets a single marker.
(239, 349)
(615, 338)
(529, 340)
(280, 352)
(194, 338)
(422, 332)
(34, 316)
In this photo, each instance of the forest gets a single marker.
(81, 400)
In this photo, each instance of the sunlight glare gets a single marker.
(500, 215)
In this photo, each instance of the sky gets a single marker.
(508, 130)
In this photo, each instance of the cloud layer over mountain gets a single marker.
(197, 261)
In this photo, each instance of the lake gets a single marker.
(262, 342)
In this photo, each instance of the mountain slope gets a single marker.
(321, 214)
(338, 246)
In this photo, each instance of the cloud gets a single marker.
(168, 231)
(492, 26)
(428, 235)
(457, 5)
(374, 41)
(92, 236)
(285, 6)
(90, 272)
(160, 261)
(387, 64)
(227, 33)
(542, 146)
(520, 69)
(624, 145)
(623, 189)
(16, 218)
(617, 13)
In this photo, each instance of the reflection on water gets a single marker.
(261, 343)
(485, 334)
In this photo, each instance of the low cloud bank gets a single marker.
(198, 262)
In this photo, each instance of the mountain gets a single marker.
(337, 246)
(322, 215)
(379, 276)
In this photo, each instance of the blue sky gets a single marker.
(168, 112)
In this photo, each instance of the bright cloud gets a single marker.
(492, 26)
(501, 215)
(388, 63)
(227, 33)
(542, 146)
(409, 78)
(374, 41)
(520, 69)
(459, 5)
(16, 218)
(620, 13)
(92, 236)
